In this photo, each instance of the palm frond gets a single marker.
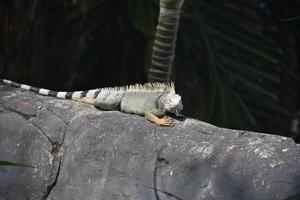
(240, 56)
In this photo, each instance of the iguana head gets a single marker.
(173, 103)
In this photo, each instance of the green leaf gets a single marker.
(8, 163)
(169, 3)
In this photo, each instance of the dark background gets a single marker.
(236, 64)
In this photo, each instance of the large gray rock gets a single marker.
(84, 153)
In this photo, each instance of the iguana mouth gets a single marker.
(178, 114)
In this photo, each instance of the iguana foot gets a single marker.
(165, 121)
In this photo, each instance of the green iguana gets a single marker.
(152, 100)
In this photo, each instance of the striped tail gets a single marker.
(57, 94)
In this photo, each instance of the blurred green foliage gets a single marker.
(295, 197)
(245, 61)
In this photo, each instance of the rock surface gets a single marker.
(83, 153)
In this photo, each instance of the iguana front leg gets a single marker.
(164, 121)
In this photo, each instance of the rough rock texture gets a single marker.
(83, 153)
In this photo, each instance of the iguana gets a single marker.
(152, 100)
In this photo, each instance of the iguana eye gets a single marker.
(174, 100)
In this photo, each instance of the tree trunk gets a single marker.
(165, 41)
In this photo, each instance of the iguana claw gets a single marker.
(165, 121)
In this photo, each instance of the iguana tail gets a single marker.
(57, 94)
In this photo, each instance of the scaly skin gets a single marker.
(153, 105)
(152, 100)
